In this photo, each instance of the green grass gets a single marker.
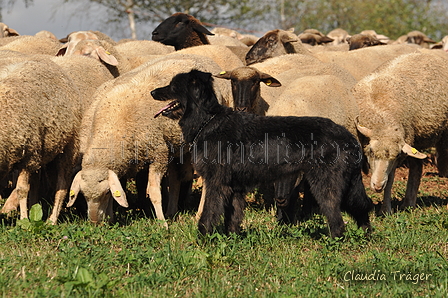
(141, 259)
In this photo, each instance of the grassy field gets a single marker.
(405, 256)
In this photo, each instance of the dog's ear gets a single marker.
(203, 76)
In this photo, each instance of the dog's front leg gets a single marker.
(234, 213)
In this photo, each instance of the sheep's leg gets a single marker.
(386, 207)
(154, 192)
(202, 202)
(60, 195)
(12, 202)
(442, 155)
(22, 189)
(415, 175)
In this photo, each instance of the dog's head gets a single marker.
(187, 92)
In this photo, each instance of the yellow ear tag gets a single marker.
(268, 82)
(107, 53)
(72, 192)
(117, 193)
(222, 72)
(414, 151)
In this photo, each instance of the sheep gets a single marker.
(46, 34)
(443, 44)
(140, 51)
(275, 43)
(314, 37)
(417, 37)
(326, 96)
(380, 37)
(181, 31)
(125, 138)
(338, 35)
(363, 61)
(73, 38)
(5, 31)
(41, 112)
(247, 39)
(358, 41)
(29, 44)
(222, 55)
(103, 51)
(75, 67)
(404, 103)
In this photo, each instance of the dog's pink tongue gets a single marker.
(163, 109)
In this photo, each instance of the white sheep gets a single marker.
(29, 44)
(73, 38)
(403, 105)
(365, 60)
(5, 31)
(222, 55)
(124, 138)
(105, 52)
(338, 35)
(41, 114)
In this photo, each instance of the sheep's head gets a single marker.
(274, 43)
(5, 31)
(245, 83)
(385, 149)
(99, 186)
(181, 31)
(358, 41)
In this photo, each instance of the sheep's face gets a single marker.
(383, 156)
(95, 187)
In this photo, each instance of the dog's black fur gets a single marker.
(234, 151)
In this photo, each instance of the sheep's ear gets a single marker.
(223, 75)
(201, 29)
(62, 50)
(287, 36)
(412, 152)
(362, 129)
(269, 81)
(106, 56)
(12, 32)
(74, 189)
(117, 191)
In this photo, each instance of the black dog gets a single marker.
(234, 151)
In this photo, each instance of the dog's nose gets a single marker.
(153, 93)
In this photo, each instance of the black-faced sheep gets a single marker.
(420, 38)
(403, 104)
(314, 37)
(181, 31)
(358, 41)
(275, 43)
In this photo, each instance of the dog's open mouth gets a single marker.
(168, 109)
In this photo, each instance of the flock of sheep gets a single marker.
(75, 125)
